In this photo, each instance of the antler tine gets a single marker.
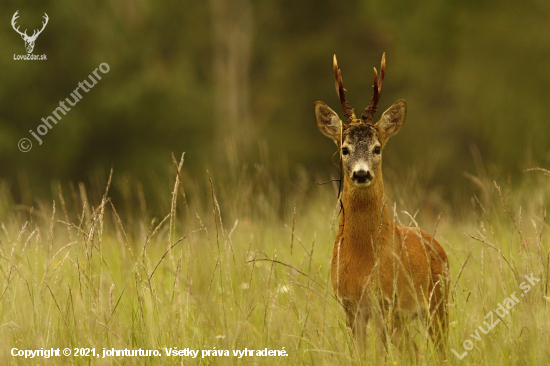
(43, 25)
(13, 19)
(382, 73)
(377, 90)
(339, 84)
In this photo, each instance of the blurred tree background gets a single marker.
(235, 81)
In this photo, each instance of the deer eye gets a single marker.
(377, 150)
(345, 151)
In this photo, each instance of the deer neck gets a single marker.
(364, 219)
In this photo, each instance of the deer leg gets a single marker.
(401, 338)
(357, 318)
(380, 327)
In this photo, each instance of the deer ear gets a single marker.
(328, 121)
(392, 120)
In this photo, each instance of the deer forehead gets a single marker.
(361, 134)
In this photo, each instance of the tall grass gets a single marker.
(237, 260)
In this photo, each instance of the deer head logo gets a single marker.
(29, 41)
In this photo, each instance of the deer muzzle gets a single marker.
(362, 176)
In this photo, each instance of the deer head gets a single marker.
(29, 41)
(360, 140)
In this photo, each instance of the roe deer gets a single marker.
(379, 269)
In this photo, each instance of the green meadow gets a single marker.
(229, 261)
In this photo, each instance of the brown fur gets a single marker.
(411, 267)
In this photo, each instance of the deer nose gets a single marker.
(362, 176)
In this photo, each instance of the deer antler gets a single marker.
(36, 33)
(15, 16)
(339, 84)
(378, 81)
